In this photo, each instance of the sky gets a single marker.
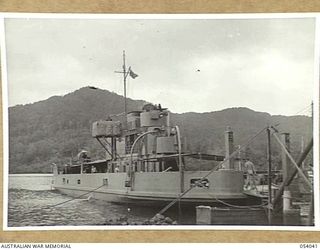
(187, 65)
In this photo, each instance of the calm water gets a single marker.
(30, 198)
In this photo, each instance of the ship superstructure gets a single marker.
(145, 161)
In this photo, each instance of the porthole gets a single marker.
(199, 182)
(105, 182)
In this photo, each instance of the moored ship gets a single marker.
(145, 164)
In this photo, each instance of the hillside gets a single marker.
(59, 127)
(205, 132)
(53, 130)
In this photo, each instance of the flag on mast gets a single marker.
(132, 74)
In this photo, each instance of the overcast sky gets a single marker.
(186, 65)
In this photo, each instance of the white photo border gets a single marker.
(5, 132)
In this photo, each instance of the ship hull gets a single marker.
(156, 188)
(139, 200)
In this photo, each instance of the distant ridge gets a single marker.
(53, 130)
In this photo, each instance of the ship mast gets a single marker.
(125, 73)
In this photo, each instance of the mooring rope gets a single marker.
(237, 206)
(211, 171)
(74, 198)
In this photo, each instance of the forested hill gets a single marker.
(53, 130)
(59, 127)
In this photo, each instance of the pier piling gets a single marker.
(203, 215)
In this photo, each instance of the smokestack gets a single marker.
(229, 147)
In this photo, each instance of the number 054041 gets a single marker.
(309, 246)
